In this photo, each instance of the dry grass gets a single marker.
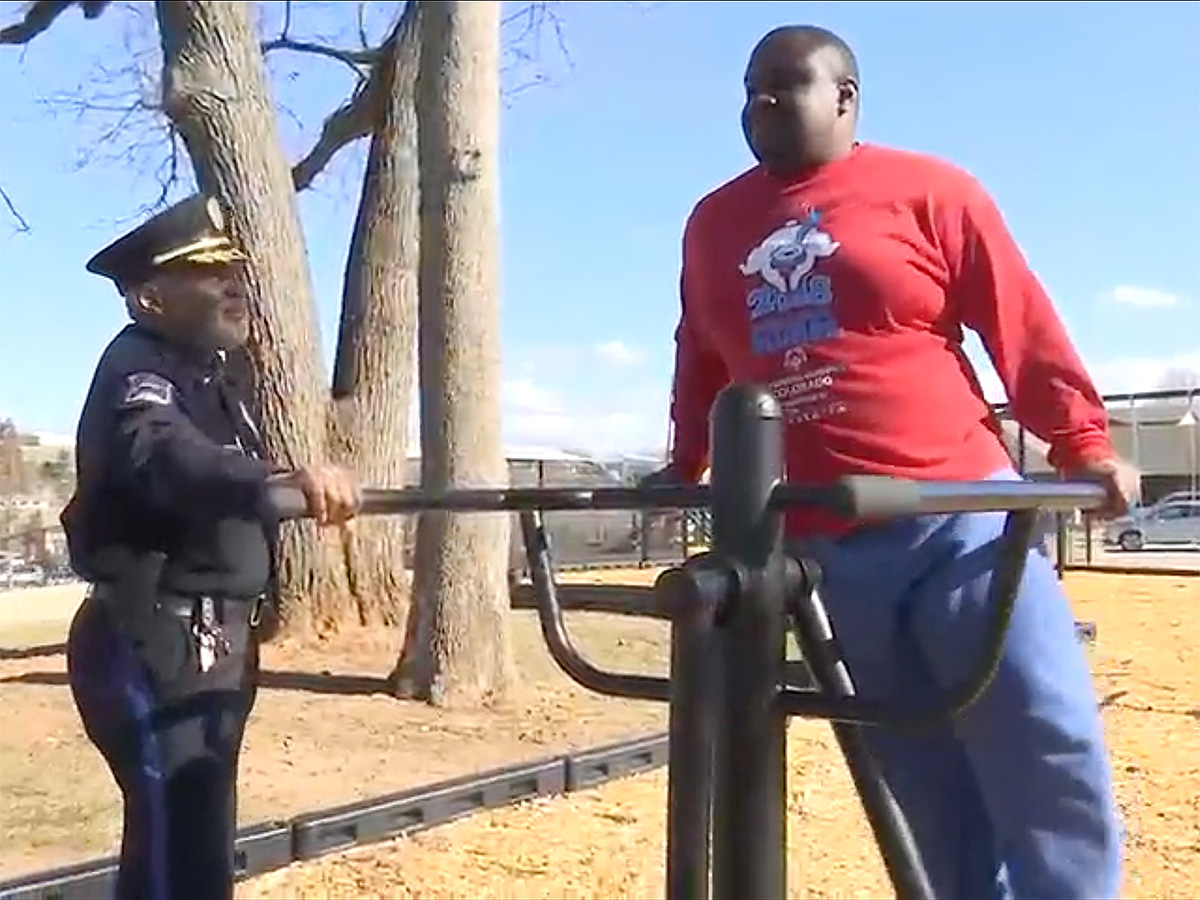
(308, 748)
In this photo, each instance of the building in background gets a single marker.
(1160, 437)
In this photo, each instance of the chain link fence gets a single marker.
(593, 539)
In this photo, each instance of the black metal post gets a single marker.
(693, 594)
(749, 802)
(1062, 549)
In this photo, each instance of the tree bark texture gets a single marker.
(217, 93)
(457, 648)
(373, 371)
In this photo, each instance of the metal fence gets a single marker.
(600, 538)
(1159, 432)
(588, 539)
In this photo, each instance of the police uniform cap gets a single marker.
(190, 232)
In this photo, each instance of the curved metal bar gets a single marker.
(554, 629)
(1006, 582)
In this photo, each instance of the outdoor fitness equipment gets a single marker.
(730, 610)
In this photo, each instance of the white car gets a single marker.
(20, 574)
(1173, 522)
(1175, 497)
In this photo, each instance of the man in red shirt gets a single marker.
(841, 275)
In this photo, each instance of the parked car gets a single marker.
(1167, 523)
(20, 574)
(1175, 497)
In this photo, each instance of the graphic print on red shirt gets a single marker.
(846, 294)
(793, 308)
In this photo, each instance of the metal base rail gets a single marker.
(270, 846)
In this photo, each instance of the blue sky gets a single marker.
(1083, 120)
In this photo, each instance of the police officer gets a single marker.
(172, 526)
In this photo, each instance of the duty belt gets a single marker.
(189, 606)
(206, 616)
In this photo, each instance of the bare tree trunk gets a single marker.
(456, 648)
(216, 91)
(373, 371)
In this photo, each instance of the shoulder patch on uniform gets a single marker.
(142, 388)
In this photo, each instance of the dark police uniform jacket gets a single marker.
(170, 468)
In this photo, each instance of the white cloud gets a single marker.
(1120, 375)
(536, 414)
(1129, 374)
(525, 395)
(631, 421)
(629, 415)
(618, 353)
(1143, 297)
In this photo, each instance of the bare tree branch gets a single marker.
(131, 127)
(41, 14)
(523, 31)
(362, 24)
(357, 60)
(352, 121)
(22, 223)
(120, 107)
(117, 105)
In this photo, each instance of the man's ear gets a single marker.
(847, 96)
(145, 299)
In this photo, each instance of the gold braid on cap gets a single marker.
(205, 251)
(213, 249)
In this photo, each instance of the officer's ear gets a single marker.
(144, 300)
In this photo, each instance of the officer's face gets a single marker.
(201, 306)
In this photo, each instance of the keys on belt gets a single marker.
(211, 642)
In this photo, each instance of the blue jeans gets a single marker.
(1015, 800)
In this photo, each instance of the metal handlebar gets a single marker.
(853, 497)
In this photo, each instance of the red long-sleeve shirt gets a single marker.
(845, 292)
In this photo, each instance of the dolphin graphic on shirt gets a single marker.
(789, 253)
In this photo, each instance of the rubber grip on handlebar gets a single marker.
(877, 497)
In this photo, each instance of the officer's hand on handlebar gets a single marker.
(332, 492)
